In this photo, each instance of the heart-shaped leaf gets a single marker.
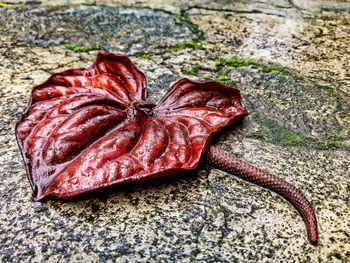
(86, 129)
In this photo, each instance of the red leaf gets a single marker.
(86, 129)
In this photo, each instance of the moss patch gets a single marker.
(331, 90)
(271, 131)
(18, 5)
(182, 17)
(223, 77)
(277, 135)
(195, 44)
(237, 63)
(11, 5)
(187, 20)
(194, 70)
(268, 69)
(78, 48)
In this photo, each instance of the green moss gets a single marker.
(187, 20)
(226, 81)
(271, 131)
(146, 55)
(262, 135)
(284, 136)
(235, 62)
(194, 70)
(11, 5)
(190, 44)
(181, 46)
(224, 77)
(279, 135)
(18, 5)
(254, 115)
(268, 68)
(288, 137)
(78, 48)
(330, 143)
(195, 44)
(331, 90)
(182, 18)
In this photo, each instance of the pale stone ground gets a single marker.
(291, 59)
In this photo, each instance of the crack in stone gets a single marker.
(254, 11)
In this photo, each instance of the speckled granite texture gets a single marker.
(291, 61)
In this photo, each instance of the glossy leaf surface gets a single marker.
(86, 129)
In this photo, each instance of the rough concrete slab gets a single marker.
(291, 63)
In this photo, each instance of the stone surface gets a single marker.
(291, 61)
(109, 28)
